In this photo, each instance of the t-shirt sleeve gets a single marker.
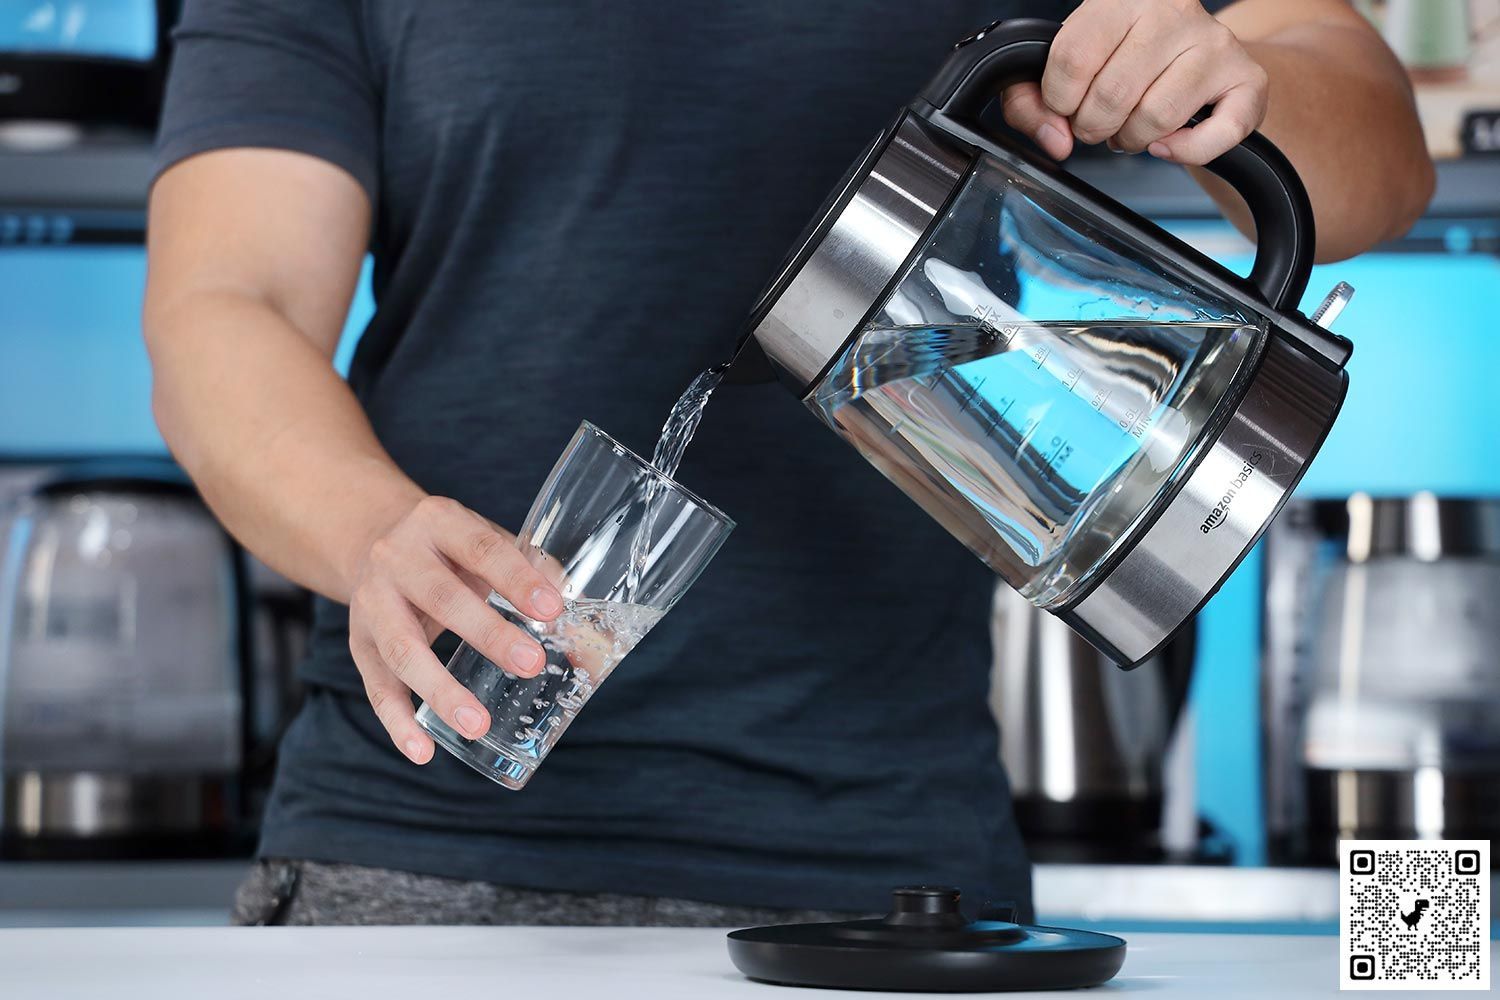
(280, 74)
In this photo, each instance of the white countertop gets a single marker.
(370, 963)
(1142, 897)
(97, 894)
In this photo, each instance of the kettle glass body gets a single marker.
(1033, 381)
(1108, 418)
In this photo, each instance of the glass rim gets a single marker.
(702, 504)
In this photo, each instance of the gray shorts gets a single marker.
(282, 891)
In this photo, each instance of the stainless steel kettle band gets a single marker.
(862, 252)
(1227, 502)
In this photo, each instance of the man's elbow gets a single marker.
(1409, 177)
(1413, 192)
(161, 331)
(1384, 211)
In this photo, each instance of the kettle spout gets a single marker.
(749, 366)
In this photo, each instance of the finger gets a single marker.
(392, 704)
(1168, 103)
(398, 642)
(1235, 116)
(471, 543)
(1119, 85)
(1025, 112)
(1082, 46)
(496, 528)
(450, 602)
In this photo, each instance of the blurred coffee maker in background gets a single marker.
(1381, 673)
(1088, 747)
(145, 674)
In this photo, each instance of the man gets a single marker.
(570, 207)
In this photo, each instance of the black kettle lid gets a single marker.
(926, 944)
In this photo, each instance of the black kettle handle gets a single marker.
(1011, 51)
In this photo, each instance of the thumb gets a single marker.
(1025, 112)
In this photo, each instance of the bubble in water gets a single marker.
(596, 634)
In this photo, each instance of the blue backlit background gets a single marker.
(118, 29)
(1422, 413)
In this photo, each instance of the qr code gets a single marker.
(1414, 914)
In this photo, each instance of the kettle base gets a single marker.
(926, 945)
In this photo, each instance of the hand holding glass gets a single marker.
(580, 534)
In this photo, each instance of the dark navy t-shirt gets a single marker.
(575, 204)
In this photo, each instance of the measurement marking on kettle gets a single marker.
(999, 418)
(1136, 422)
(1029, 428)
(1100, 398)
(1060, 454)
(1040, 355)
(974, 388)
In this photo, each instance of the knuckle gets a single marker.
(1221, 39)
(381, 700)
(518, 576)
(1132, 138)
(1111, 95)
(486, 547)
(515, 577)
(1162, 114)
(1238, 123)
(383, 552)
(495, 638)
(443, 598)
(1092, 133)
(1068, 62)
(434, 507)
(400, 653)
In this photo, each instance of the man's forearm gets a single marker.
(1337, 96)
(273, 437)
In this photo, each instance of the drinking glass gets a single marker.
(582, 533)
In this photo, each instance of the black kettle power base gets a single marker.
(926, 944)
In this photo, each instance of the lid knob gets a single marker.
(925, 906)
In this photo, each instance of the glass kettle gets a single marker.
(1105, 416)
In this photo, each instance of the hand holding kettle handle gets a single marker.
(1012, 51)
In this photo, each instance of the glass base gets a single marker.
(489, 759)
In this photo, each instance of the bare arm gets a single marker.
(1313, 75)
(1342, 109)
(253, 259)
